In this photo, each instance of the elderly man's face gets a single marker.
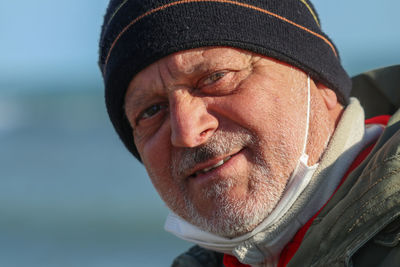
(219, 131)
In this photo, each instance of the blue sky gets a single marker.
(48, 40)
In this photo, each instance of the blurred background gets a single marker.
(70, 194)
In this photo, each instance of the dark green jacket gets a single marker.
(360, 226)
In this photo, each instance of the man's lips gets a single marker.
(210, 165)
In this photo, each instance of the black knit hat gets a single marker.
(137, 33)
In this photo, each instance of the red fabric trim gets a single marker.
(231, 261)
(292, 247)
(383, 119)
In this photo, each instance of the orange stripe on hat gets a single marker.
(312, 12)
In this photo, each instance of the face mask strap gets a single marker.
(308, 116)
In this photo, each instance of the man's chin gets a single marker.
(233, 206)
(229, 225)
(228, 217)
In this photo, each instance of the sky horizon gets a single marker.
(44, 43)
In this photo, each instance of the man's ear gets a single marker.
(328, 95)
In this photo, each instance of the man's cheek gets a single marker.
(155, 153)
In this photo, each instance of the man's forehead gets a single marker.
(188, 62)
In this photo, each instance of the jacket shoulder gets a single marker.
(360, 221)
(378, 90)
(199, 257)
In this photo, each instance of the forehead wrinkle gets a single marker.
(173, 75)
(185, 65)
(179, 68)
(186, 62)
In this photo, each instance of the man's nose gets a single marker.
(191, 123)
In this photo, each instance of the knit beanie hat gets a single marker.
(137, 33)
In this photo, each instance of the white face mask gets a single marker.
(299, 179)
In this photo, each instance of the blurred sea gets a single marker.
(70, 194)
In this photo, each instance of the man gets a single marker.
(240, 112)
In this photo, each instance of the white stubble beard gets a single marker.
(233, 215)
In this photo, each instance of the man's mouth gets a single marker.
(208, 169)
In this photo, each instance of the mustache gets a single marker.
(220, 143)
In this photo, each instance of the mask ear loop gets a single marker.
(307, 120)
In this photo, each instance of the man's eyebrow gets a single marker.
(201, 66)
(136, 97)
(205, 66)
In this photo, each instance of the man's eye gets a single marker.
(213, 78)
(151, 111)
